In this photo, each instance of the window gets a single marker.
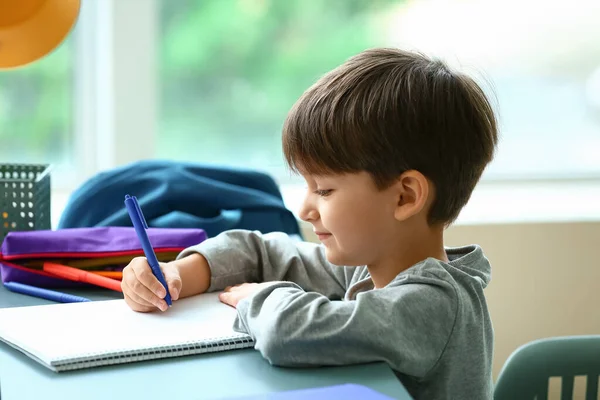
(36, 109)
(230, 71)
(542, 60)
(213, 80)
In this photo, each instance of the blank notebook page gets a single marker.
(83, 335)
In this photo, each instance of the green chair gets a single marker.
(526, 373)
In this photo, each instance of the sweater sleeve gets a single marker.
(239, 256)
(406, 326)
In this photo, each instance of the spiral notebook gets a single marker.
(73, 336)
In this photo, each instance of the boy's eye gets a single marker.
(323, 192)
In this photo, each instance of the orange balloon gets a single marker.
(30, 29)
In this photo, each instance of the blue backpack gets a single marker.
(182, 195)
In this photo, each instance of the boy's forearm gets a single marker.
(294, 328)
(195, 274)
(239, 256)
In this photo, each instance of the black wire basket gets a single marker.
(24, 198)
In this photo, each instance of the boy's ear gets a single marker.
(412, 194)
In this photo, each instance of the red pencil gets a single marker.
(74, 274)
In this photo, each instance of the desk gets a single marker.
(206, 376)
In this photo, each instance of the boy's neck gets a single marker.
(408, 251)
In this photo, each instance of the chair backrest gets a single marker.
(527, 371)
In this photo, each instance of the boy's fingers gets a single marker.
(174, 290)
(228, 298)
(223, 297)
(144, 275)
(136, 306)
(141, 294)
(132, 293)
(136, 301)
(173, 281)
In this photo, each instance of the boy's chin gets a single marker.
(337, 259)
(331, 256)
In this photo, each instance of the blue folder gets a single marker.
(338, 392)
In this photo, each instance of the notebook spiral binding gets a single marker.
(125, 356)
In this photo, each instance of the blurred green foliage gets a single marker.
(36, 109)
(229, 72)
(231, 69)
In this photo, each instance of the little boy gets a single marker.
(391, 145)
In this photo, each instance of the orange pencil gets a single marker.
(74, 274)
(109, 274)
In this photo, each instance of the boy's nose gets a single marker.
(308, 212)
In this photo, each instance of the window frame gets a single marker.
(115, 86)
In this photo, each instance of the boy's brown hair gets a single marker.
(387, 111)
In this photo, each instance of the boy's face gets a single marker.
(352, 218)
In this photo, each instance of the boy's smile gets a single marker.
(322, 235)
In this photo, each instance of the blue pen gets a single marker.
(140, 225)
(43, 293)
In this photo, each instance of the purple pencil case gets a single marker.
(23, 254)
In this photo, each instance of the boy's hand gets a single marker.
(234, 294)
(142, 291)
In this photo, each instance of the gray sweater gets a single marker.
(430, 324)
